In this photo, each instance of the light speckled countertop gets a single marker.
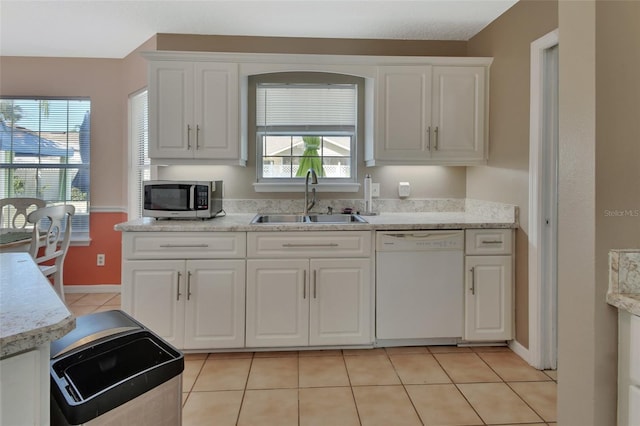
(384, 221)
(31, 313)
(624, 280)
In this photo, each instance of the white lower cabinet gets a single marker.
(308, 302)
(628, 369)
(193, 304)
(488, 285)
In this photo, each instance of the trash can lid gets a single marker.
(93, 327)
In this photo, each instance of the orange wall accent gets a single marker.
(80, 264)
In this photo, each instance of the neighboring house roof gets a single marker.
(26, 143)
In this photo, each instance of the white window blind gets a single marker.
(45, 146)
(139, 164)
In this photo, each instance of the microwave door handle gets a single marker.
(192, 198)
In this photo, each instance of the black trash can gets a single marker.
(112, 370)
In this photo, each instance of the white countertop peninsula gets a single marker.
(31, 316)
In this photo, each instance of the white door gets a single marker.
(404, 113)
(488, 303)
(154, 294)
(340, 309)
(214, 316)
(277, 302)
(216, 111)
(458, 113)
(170, 109)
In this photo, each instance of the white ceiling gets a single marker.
(114, 28)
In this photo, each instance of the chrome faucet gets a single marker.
(314, 181)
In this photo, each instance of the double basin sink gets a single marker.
(276, 219)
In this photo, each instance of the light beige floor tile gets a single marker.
(322, 371)
(82, 310)
(385, 405)
(273, 373)
(375, 351)
(230, 355)
(553, 374)
(328, 352)
(190, 373)
(447, 349)
(276, 354)
(103, 308)
(442, 405)
(371, 370)
(466, 368)
(496, 403)
(407, 350)
(194, 357)
(72, 297)
(419, 369)
(116, 300)
(272, 407)
(212, 408)
(185, 395)
(541, 396)
(223, 374)
(95, 299)
(512, 368)
(327, 406)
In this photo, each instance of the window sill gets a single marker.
(80, 239)
(299, 187)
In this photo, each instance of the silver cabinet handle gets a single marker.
(188, 137)
(429, 138)
(315, 281)
(491, 242)
(184, 245)
(304, 284)
(197, 136)
(289, 245)
(436, 133)
(473, 280)
(178, 294)
(188, 285)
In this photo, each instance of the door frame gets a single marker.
(542, 347)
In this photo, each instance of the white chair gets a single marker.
(16, 210)
(50, 241)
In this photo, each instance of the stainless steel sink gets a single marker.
(276, 219)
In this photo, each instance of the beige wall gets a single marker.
(508, 41)
(599, 198)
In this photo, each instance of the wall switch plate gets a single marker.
(404, 189)
(375, 189)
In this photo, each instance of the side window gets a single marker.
(139, 164)
(45, 146)
(303, 121)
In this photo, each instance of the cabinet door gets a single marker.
(404, 113)
(488, 304)
(458, 113)
(216, 111)
(634, 405)
(153, 292)
(340, 302)
(170, 109)
(214, 313)
(277, 302)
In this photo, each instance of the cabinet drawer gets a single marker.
(308, 244)
(634, 350)
(488, 241)
(183, 245)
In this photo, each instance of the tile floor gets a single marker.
(434, 385)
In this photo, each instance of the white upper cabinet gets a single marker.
(193, 113)
(430, 115)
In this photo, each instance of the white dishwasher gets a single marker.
(419, 286)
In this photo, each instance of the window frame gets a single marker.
(294, 184)
(139, 162)
(80, 235)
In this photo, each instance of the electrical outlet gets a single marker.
(375, 189)
(100, 260)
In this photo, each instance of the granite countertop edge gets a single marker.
(31, 339)
(626, 302)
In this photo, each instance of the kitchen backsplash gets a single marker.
(487, 209)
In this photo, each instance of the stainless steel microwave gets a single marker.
(182, 199)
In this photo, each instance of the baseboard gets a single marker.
(520, 350)
(98, 288)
